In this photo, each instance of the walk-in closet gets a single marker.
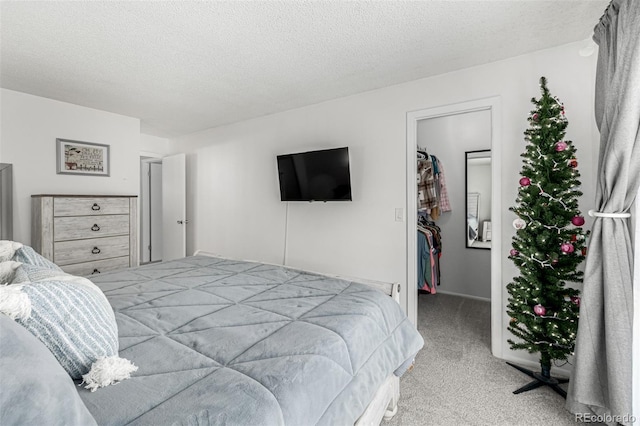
(453, 157)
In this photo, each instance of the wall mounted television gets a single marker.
(315, 175)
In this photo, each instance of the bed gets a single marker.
(222, 341)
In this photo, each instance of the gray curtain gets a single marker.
(601, 378)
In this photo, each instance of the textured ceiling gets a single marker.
(182, 67)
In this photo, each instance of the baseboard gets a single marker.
(559, 372)
(468, 296)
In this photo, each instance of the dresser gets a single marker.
(86, 234)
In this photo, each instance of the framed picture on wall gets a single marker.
(82, 158)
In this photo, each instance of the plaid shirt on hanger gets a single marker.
(427, 196)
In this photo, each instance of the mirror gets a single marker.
(478, 201)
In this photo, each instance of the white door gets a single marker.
(174, 216)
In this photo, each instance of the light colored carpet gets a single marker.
(456, 380)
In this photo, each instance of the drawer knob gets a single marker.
(95, 227)
(95, 206)
(95, 250)
(95, 271)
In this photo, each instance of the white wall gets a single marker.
(448, 138)
(233, 200)
(153, 146)
(29, 128)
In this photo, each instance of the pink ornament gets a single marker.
(525, 181)
(514, 252)
(577, 220)
(567, 248)
(561, 146)
(519, 224)
(539, 310)
(575, 300)
(535, 117)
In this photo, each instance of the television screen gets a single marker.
(315, 176)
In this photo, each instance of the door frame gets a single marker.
(493, 104)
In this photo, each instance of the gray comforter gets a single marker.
(239, 343)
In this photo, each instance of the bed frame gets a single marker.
(385, 401)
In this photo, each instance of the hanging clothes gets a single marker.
(435, 211)
(425, 280)
(432, 191)
(427, 196)
(432, 200)
(429, 252)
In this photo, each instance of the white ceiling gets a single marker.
(182, 67)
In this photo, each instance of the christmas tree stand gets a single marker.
(541, 379)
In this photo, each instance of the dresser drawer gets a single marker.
(80, 227)
(97, 267)
(68, 252)
(90, 206)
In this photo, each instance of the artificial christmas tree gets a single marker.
(549, 243)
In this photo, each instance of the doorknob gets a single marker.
(183, 221)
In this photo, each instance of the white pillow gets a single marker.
(8, 270)
(73, 318)
(7, 248)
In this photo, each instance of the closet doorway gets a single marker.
(163, 200)
(150, 209)
(441, 117)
